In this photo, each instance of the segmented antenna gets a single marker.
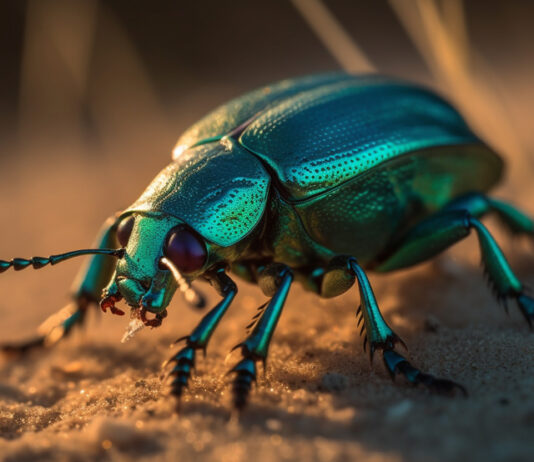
(38, 262)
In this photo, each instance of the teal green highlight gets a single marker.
(202, 333)
(96, 272)
(378, 332)
(495, 263)
(258, 341)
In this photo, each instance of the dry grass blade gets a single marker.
(334, 37)
(58, 42)
(78, 58)
(442, 40)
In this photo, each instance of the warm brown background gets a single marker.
(92, 97)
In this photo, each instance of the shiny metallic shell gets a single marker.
(218, 189)
(331, 144)
(365, 215)
(226, 118)
(319, 139)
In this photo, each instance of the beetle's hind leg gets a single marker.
(340, 275)
(87, 291)
(479, 204)
(445, 228)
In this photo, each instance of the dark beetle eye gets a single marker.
(124, 230)
(185, 250)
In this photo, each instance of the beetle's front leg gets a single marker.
(275, 280)
(198, 340)
(339, 277)
(86, 290)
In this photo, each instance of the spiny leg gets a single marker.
(339, 276)
(198, 340)
(276, 280)
(440, 231)
(87, 290)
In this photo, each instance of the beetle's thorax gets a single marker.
(218, 189)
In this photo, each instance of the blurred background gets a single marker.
(119, 75)
(93, 96)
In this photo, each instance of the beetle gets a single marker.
(315, 179)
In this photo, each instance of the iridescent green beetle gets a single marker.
(314, 179)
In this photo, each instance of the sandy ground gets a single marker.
(92, 398)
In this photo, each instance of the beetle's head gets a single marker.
(203, 209)
(161, 253)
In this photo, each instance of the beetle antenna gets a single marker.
(38, 262)
(191, 296)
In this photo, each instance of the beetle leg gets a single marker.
(380, 336)
(53, 329)
(397, 364)
(479, 204)
(198, 340)
(339, 276)
(377, 332)
(87, 290)
(440, 231)
(275, 279)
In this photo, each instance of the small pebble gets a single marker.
(431, 324)
(333, 381)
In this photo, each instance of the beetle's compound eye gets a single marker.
(124, 230)
(185, 249)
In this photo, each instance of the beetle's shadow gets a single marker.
(271, 420)
(468, 303)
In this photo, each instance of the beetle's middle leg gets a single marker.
(339, 276)
(275, 280)
(87, 291)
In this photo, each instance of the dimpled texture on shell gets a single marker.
(363, 216)
(227, 117)
(218, 189)
(318, 139)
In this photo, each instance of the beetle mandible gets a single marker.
(316, 179)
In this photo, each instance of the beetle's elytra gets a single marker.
(316, 179)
